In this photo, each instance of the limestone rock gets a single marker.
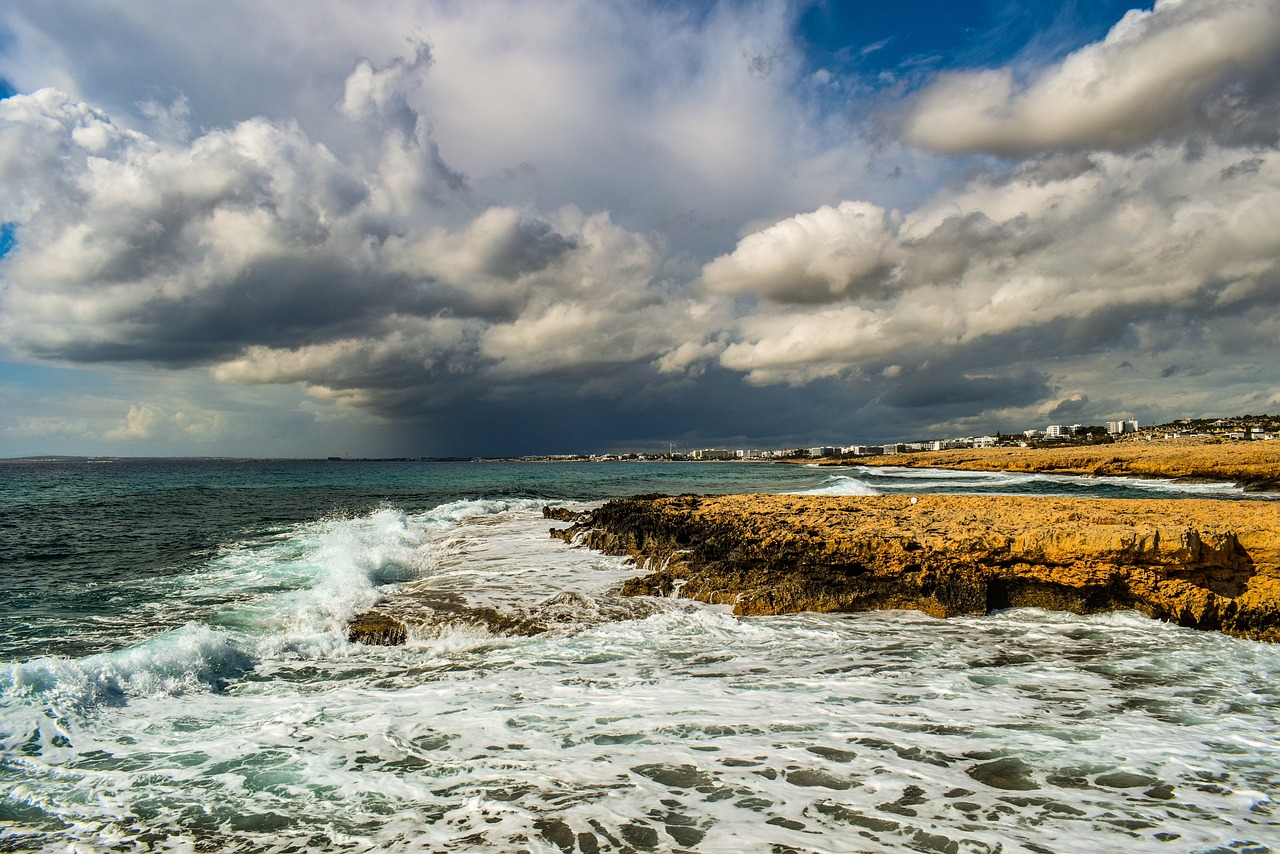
(1204, 564)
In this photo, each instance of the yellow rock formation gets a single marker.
(1206, 564)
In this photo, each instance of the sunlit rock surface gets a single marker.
(1204, 564)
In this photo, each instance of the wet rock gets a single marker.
(1010, 773)
(809, 777)
(789, 824)
(675, 776)
(640, 835)
(835, 754)
(556, 832)
(1203, 564)
(391, 623)
(431, 613)
(685, 835)
(376, 629)
(562, 514)
(1125, 780)
(925, 841)
(850, 816)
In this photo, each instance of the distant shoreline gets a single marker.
(1253, 466)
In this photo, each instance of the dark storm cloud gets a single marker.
(1069, 409)
(532, 247)
(942, 387)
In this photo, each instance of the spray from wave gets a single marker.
(288, 594)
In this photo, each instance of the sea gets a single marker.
(175, 675)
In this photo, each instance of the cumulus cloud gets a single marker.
(810, 258)
(170, 416)
(655, 112)
(147, 422)
(1185, 66)
(1058, 259)
(129, 250)
(385, 91)
(449, 230)
(257, 251)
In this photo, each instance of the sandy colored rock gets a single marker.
(1204, 564)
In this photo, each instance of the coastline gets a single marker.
(1198, 563)
(1254, 466)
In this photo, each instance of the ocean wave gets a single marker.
(309, 580)
(470, 508)
(191, 659)
(287, 594)
(842, 485)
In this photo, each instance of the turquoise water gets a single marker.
(174, 675)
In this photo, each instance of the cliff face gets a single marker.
(1204, 564)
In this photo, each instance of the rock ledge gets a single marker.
(1203, 564)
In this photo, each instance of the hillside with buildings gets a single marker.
(1241, 428)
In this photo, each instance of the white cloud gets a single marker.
(1058, 262)
(675, 119)
(1157, 72)
(149, 422)
(812, 257)
(254, 249)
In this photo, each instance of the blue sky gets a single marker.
(870, 38)
(525, 227)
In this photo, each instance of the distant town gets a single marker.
(1241, 428)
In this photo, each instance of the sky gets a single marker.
(417, 228)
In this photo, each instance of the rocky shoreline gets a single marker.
(1204, 564)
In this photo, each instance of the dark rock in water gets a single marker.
(556, 832)
(809, 777)
(1125, 780)
(376, 629)
(1260, 484)
(675, 776)
(640, 835)
(1202, 564)
(390, 624)
(431, 613)
(563, 514)
(1009, 773)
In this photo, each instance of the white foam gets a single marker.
(191, 659)
(842, 485)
